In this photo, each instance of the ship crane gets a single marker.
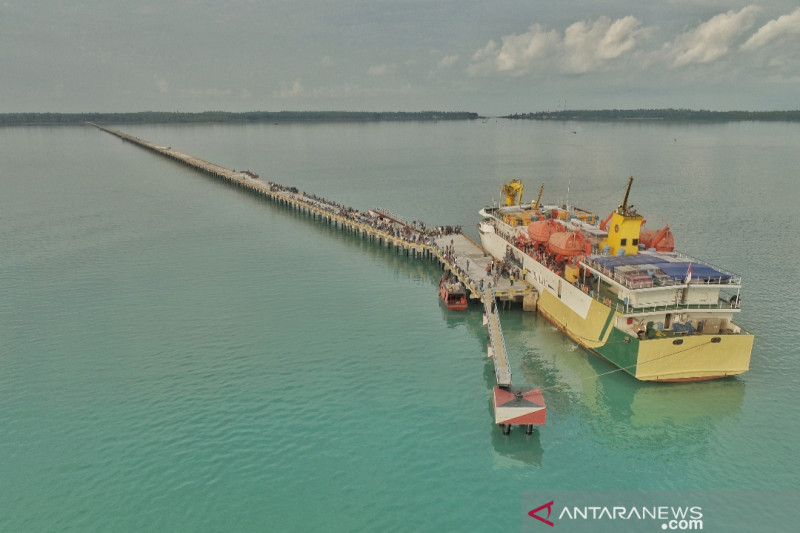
(625, 209)
(535, 205)
(513, 192)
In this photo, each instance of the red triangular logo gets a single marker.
(537, 517)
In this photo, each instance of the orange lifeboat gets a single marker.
(569, 244)
(660, 239)
(541, 230)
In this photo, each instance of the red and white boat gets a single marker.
(453, 294)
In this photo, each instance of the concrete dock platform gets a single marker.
(467, 260)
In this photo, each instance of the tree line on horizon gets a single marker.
(278, 117)
(660, 114)
(249, 117)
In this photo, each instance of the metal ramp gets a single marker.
(521, 406)
(502, 369)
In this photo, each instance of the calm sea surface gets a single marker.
(178, 356)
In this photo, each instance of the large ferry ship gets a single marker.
(622, 291)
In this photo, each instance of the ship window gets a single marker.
(716, 339)
(623, 242)
(677, 341)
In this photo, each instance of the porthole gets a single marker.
(716, 339)
(677, 342)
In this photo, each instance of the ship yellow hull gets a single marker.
(694, 357)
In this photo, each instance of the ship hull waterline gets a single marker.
(589, 323)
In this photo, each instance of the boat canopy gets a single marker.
(675, 268)
(678, 271)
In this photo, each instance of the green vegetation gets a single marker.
(675, 115)
(282, 117)
(250, 117)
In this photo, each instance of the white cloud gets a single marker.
(295, 90)
(447, 61)
(518, 53)
(711, 39)
(774, 29)
(589, 46)
(585, 47)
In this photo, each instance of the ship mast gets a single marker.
(535, 205)
(623, 209)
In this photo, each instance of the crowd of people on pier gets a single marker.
(415, 232)
(495, 269)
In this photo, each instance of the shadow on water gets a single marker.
(622, 411)
(516, 447)
(455, 319)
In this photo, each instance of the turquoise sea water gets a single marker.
(178, 356)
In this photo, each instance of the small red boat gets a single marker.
(453, 294)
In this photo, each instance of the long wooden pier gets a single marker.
(465, 259)
(276, 193)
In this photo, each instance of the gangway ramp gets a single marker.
(522, 406)
(497, 344)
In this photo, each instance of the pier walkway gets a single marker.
(328, 212)
(465, 259)
(502, 369)
(457, 253)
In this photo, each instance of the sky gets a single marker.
(494, 57)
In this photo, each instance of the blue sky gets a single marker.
(494, 58)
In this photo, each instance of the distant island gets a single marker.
(673, 115)
(222, 117)
(288, 117)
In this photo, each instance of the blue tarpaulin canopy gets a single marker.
(700, 271)
(676, 270)
(611, 262)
